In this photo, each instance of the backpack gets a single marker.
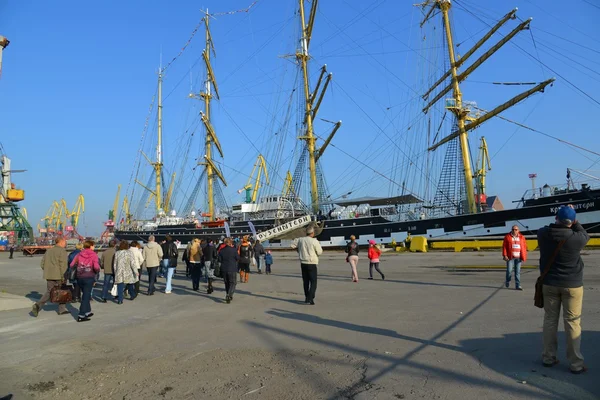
(245, 251)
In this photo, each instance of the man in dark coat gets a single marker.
(228, 259)
(563, 284)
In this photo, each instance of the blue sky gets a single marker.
(78, 79)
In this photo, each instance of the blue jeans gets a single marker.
(164, 264)
(121, 288)
(170, 272)
(86, 285)
(108, 279)
(516, 264)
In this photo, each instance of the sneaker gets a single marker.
(167, 292)
(83, 319)
(507, 284)
(227, 300)
(35, 310)
(580, 371)
(89, 315)
(519, 288)
(370, 279)
(550, 365)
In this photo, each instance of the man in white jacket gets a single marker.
(309, 249)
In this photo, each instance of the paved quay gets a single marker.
(429, 331)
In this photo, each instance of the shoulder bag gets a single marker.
(538, 298)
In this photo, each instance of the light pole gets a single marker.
(3, 43)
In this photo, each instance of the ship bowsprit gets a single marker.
(292, 229)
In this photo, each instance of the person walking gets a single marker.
(268, 262)
(196, 263)
(138, 253)
(220, 246)
(170, 255)
(514, 252)
(228, 259)
(309, 249)
(210, 254)
(245, 253)
(70, 258)
(54, 265)
(186, 259)
(373, 255)
(107, 261)
(259, 252)
(11, 249)
(152, 256)
(88, 266)
(560, 246)
(126, 269)
(352, 250)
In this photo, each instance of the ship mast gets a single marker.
(461, 110)
(311, 108)
(212, 171)
(158, 164)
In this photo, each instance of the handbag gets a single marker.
(113, 290)
(61, 294)
(538, 297)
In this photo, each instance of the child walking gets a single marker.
(268, 262)
(374, 254)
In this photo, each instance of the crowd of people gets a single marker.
(561, 272)
(123, 262)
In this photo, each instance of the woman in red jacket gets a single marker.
(514, 252)
(374, 254)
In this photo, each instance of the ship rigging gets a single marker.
(451, 201)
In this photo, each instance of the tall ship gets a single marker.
(450, 201)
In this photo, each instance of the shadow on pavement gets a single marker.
(377, 278)
(34, 295)
(516, 356)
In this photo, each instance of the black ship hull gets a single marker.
(536, 214)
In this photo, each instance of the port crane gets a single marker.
(260, 167)
(109, 232)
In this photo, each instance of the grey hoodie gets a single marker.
(153, 253)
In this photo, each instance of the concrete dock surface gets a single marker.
(441, 326)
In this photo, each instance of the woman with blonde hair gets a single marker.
(245, 257)
(195, 258)
(126, 269)
(352, 257)
(136, 249)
